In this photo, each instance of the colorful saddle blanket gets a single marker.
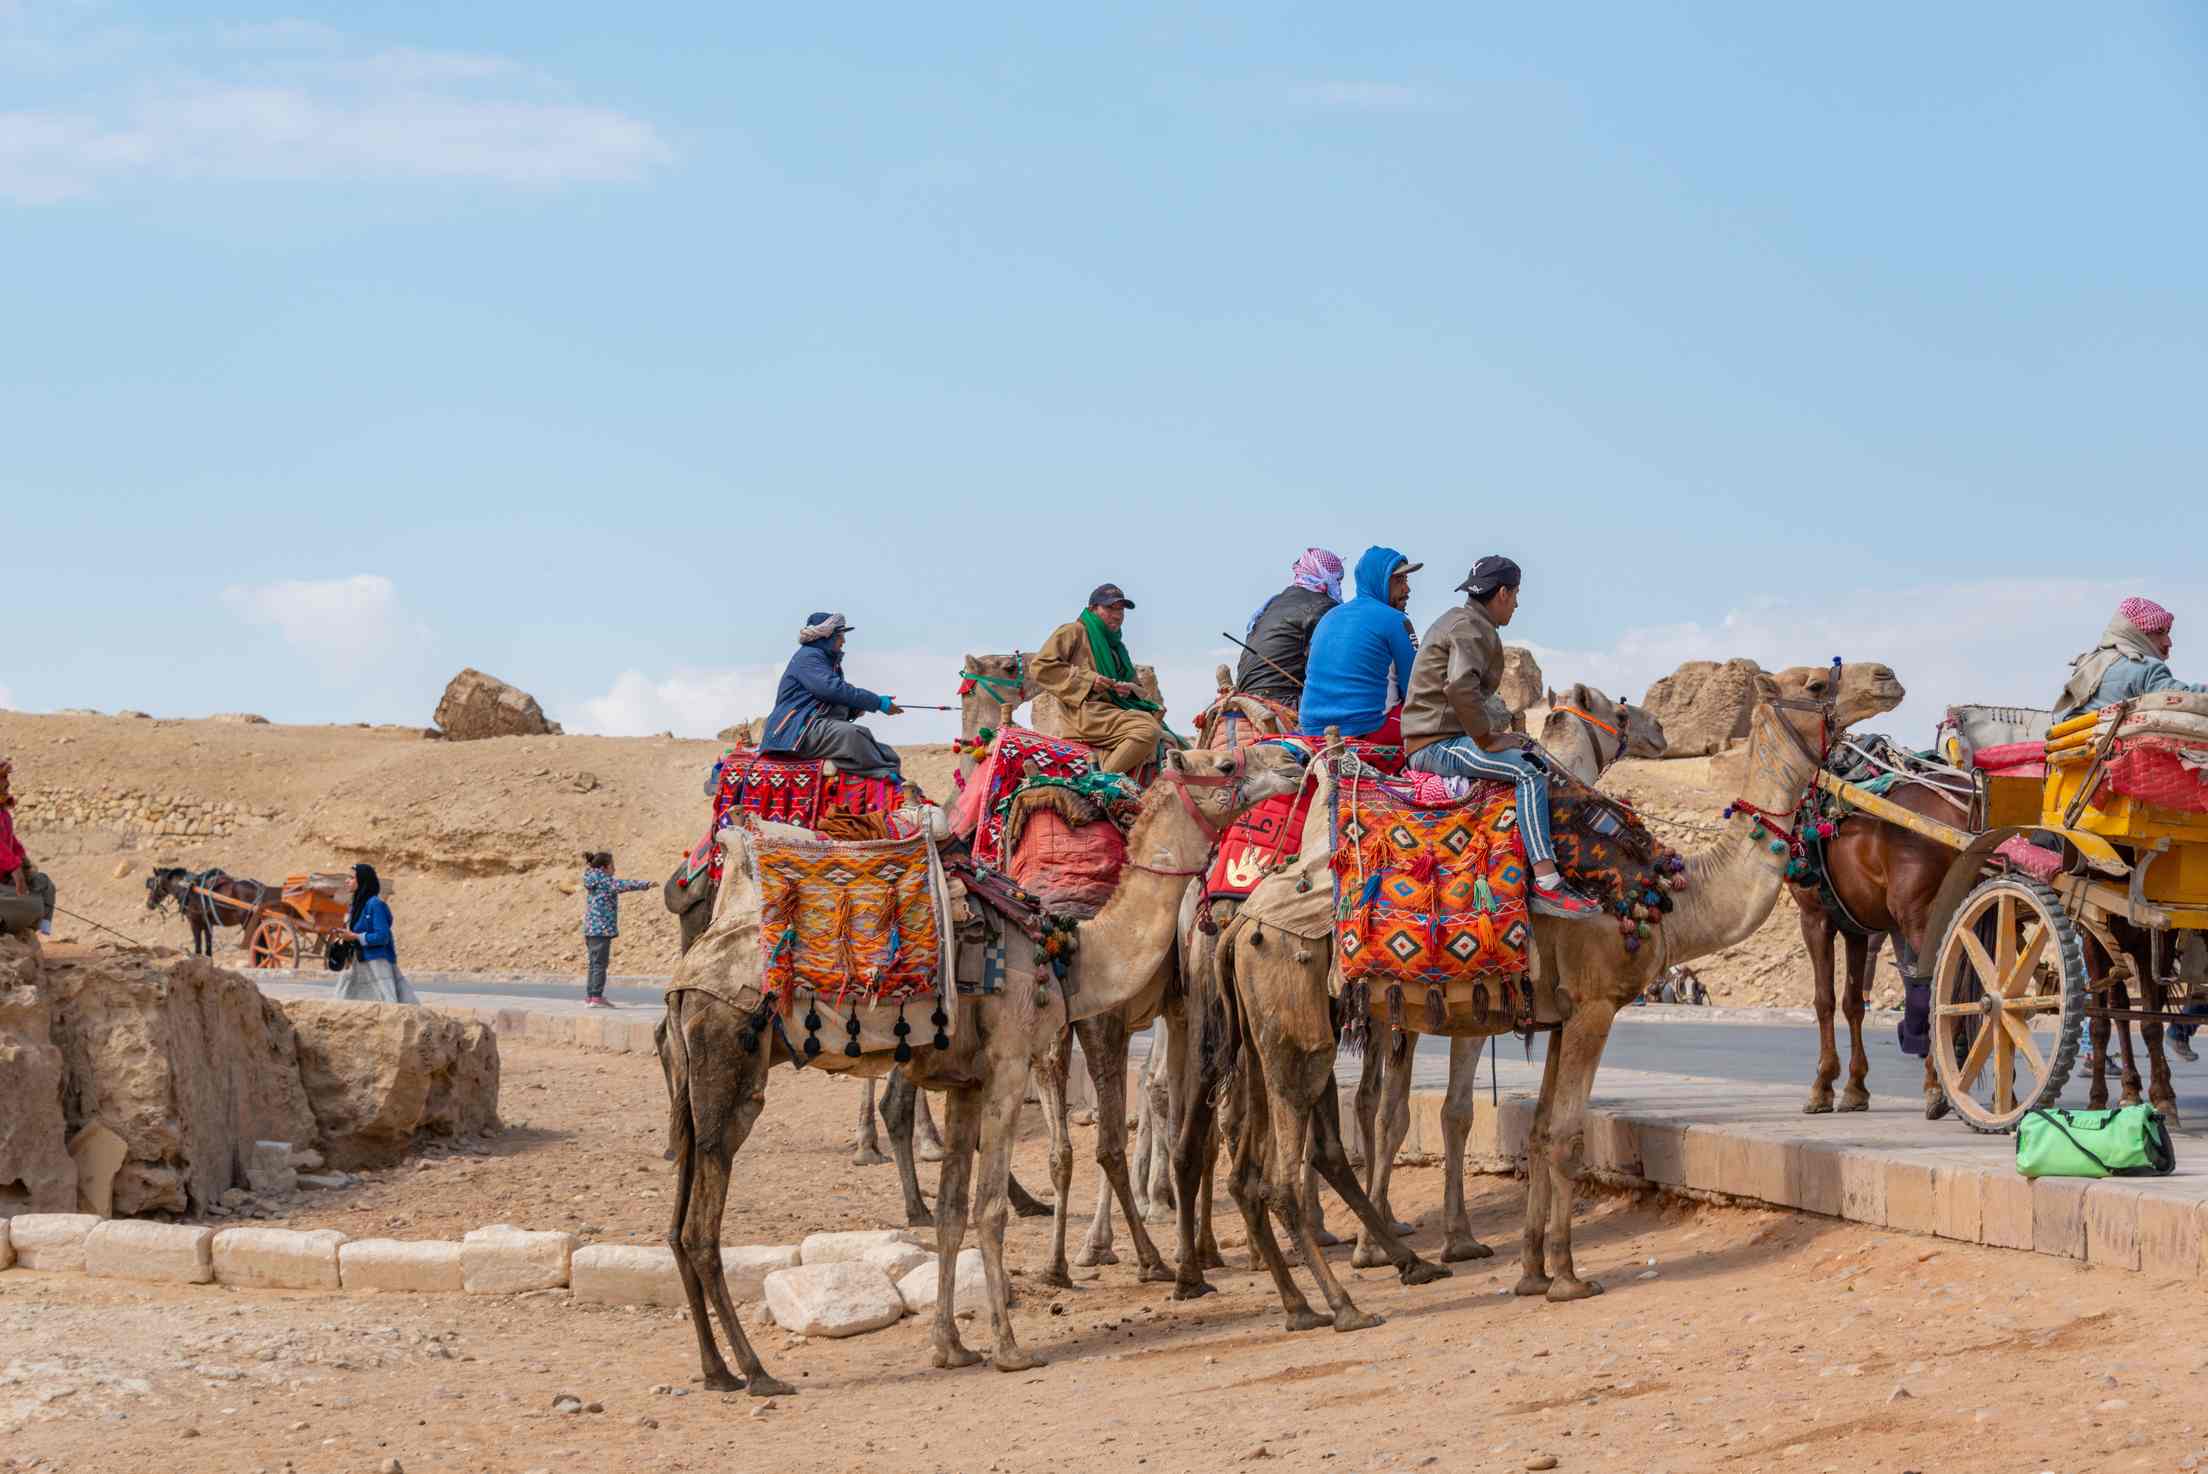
(1425, 896)
(1267, 836)
(781, 790)
(1017, 757)
(862, 917)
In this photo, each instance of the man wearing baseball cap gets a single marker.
(2130, 660)
(1086, 666)
(1455, 723)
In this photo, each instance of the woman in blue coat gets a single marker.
(816, 710)
(375, 975)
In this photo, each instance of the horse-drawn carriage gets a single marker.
(277, 927)
(2080, 874)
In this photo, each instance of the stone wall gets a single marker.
(135, 815)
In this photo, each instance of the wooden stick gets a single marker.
(1276, 668)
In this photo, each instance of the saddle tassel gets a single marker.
(1479, 1003)
(1437, 1011)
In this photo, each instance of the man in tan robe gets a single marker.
(1085, 665)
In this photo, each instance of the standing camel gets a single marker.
(718, 1053)
(1586, 732)
(1277, 995)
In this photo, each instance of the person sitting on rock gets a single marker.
(1278, 641)
(1456, 724)
(816, 710)
(16, 868)
(1361, 655)
(2130, 660)
(1085, 665)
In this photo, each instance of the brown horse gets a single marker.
(2115, 961)
(208, 899)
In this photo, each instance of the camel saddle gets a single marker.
(782, 790)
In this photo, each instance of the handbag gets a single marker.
(340, 955)
(2131, 1141)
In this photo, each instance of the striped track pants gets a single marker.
(1461, 757)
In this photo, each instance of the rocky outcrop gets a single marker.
(37, 1174)
(476, 705)
(378, 1077)
(1703, 705)
(189, 1064)
(1522, 683)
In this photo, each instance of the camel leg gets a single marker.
(929, 1140)
(1862, 956)
(1533, 1261)
(1194, 1142)
(1555, 1151)
(868, 1153)
(1457, 1106)
(962, 1117)
(1000, 1104)
(1817, 933)
(1050, 1079)
(1392, 1125)
(900, 1099)
(1104, 1046)
(1332, 1162)
(1153, 1128)
(1247, 1180)
(1291, 1110)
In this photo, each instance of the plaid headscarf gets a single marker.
(2146, 616)
(1317, 570)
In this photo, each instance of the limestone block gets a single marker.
(918, 1287)
(1483, 1144)
(746, 1267)
(2005, 1211)
(1425, 1137)
(2112, 1225)
(895, 1260)
(423, 1266)
(53, 1241)
(1813, 1177)
(134, 1249)
(505, 1260)
(1863, 1188)
(2170, 1237)
(838, 1298)
(1514, 1127)
(1910, 1204)
(1704, 1155)
(645, 1274)
(1752, 1165)
(378, 1078)
(268, 1170)
(642, 1036)
(844, 1248)
(1958, 1203)
(2058, 1216)
(99, 1155)
(278, 1258)
(1613, 1144)
(1663, 1152)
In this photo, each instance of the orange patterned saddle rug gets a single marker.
(857, 921)
(1429, 895)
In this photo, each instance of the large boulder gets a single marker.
(476, 705)
(379, 1075)
(37, 1174)
(1703, 705)
(1522, 683)
(187, 1063)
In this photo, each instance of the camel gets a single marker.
(1585, 731)
(718, 1055)
(1275, 994)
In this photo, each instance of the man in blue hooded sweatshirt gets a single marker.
(816, 710)
(1361, 654)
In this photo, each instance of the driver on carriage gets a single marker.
(2130, 660)
(816, 710)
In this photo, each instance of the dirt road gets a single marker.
(1729, 1340)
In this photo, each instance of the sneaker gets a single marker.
(1560, 900)
(596, 1003)
(2183, 1049)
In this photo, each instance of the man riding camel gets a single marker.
(2130, 660)
(1085, 665)
(816, 710)
(1278, 641)
(1456, 725)
(1361, 655)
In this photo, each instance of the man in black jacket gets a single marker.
(1279, 635)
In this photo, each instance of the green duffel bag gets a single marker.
(2132, 1141)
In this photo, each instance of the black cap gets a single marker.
(1489, 574)
(1104, 595)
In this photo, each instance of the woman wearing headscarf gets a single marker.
(375, 975)
(1278, 641)
(816, 710)
(2131, 659)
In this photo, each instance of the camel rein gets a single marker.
(1600, 725)
(1182, 782)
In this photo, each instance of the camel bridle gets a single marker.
(1230, 777)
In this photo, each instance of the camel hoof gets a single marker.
(921, 1219)
(766, 1386)
(1324, 1239)
(1211, 1258)
(1855, 1100)
(1055, 1277)
(1567, 1288)
(1424, 1272)
(1193, 1289)
(1354, 1319)
(1531, 1284)
(1402, 1230)
(1456, 1251)
(1308, 1319)
(1017, 1361)
(1935, 1104)
(1156, 1274)
(954, 1355)
(1367, 1255)
(1090, 1256)
(868, 1157)
(723, 1382)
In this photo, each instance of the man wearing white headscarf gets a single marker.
(816, 710)
(2131, 659)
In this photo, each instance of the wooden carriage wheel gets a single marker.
(2008, 997)
(275, 943)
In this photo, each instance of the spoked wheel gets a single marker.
(2008, 997)
(275, 943)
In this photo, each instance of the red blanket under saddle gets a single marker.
(1266, 837)
(1016, 755)
(1429, 895)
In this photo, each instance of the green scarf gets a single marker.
(1108, 652)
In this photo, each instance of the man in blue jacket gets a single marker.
(816, 710)
(1361, 654)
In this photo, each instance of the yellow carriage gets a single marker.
(2096, 831)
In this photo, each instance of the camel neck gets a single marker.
(1734, 884)
(1123, 945)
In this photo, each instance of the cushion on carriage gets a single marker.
(2013, 759)
(2040, 864)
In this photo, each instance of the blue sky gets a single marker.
(348, 346)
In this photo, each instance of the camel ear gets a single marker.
(1767, 689)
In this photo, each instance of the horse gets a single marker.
(207, 899)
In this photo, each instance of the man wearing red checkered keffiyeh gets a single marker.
(2130, 660)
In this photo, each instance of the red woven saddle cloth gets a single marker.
(782, 790)
(1427, 896)
(1267, 836)
(1016, 756)
(847, 919)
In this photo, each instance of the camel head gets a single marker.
(1617, 729)
(1222, 783)
(1644, 735)
(1863, 690)
(1011, 678)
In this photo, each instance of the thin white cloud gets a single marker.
(7, 699)
(341, 621)
(1366, 96)
(297, 101)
